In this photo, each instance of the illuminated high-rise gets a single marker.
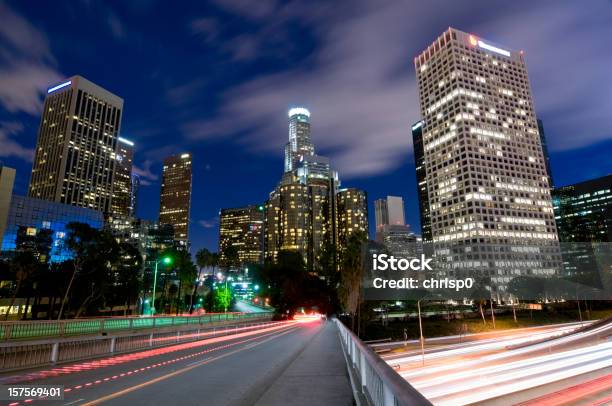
(175, 196)
(301, 210)
(242, 229)
(122, 187)
(299, 144)
(487, 183)
(76, 150)
(352, 214)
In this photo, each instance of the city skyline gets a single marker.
(214, 170)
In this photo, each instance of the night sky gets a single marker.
(217, 79)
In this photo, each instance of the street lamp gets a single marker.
(166, 261)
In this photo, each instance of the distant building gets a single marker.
(175, 197)
(122, 187)
(38, 226)
(352, 214)
(7, 179)
(242, 228)
(77, 146)
(134, 194)
(391, 228)
(389, 211)
(421, 178)
(583, 211)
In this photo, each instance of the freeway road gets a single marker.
(282, 361)
(509, 367)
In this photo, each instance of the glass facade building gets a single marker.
(41, 225)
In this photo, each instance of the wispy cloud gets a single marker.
(145, 173)
(115, 25)
(213, 222)
(360, 84)
(27, 66)
(11, 148)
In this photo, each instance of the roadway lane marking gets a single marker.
(186, 369)
(73, 402)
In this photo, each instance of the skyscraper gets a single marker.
(242, 228)
(76, 149)
(352, 214)
(122, 187)
(299, 144)
(487, 185)
(175, 196)
(421, 178)
(301, 210)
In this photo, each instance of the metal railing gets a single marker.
(17, 355)
(19, 330)
(379, 384)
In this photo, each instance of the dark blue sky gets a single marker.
(217, 79)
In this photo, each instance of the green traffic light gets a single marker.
(167, 260)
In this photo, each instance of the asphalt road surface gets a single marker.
(296, 361)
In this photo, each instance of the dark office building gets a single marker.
(583, 211)
(419, 160)
(545, 152)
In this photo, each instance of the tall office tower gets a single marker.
(175, 197)
(122, 187)
(301, 210)
(352, 214)
(242, 228)
(134, 194)
(489, 197)
(299, 144)
(545, 152)
(421, 178)
(77, 142)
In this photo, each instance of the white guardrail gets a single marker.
(378, 383)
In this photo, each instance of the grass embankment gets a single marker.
(439, 326)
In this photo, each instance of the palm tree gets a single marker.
(203, 259)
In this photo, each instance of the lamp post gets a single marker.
(167, 261)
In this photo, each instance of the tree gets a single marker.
(81, 243)
(204, 258)
(127, 276)
(351, 272)
(22, 267)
